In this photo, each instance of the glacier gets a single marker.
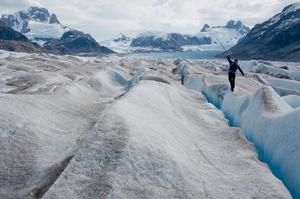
(125, 127)
(266, 109)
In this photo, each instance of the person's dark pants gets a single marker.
(231, 78)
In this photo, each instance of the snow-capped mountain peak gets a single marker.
(42, 15)
(154, 34)
(287, 17)
(291, 8)
(228, 35)
(238, 26)
(36, 23)
(205, 27)
(232, 25)
(168, 41)
(160, 41)
(273, 39)
(122, 38)
(119, 44)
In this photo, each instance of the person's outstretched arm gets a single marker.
(229, 60)
(241, 70)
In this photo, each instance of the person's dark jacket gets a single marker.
(234, 67)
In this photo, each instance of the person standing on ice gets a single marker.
(233, 67)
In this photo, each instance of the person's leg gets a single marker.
(231, 77)
(233, 81)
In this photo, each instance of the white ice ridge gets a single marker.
(266, 118)
(162, 141)
(119, 127)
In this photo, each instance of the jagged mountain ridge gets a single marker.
(232, 24)
(275, 39)
(36, 23)
(167, 41)
(75, 42)
(228, 34)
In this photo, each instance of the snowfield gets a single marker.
(40, 30)
(125, 127)
(228, 37)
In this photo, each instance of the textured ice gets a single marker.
(267, 119)
(162, 141)
(123, 127)
(292, 100)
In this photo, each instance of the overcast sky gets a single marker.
(104, 19)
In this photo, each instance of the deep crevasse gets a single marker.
(267, 121)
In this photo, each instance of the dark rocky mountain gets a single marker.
(238, 26)
(42, 15)
(276, 39)
(168, 41)
(229, 34)
(7, 33)
(12, 40)
(122, 38)
(205, 28)
(75, 42)
(232, 24)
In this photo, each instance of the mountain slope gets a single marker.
(276, 39)
(12, 40)
(167, 41)
(75, 42)
(228, 35)
(120, 44)
(38, 25)
(238, 26)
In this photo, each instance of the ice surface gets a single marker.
(125, 127)
(47, 107)
(285, 87)
(274, 128)
(267, 119)
(162, 141)
(292, 100)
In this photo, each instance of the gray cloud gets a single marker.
(8, 6)
(106, 18)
